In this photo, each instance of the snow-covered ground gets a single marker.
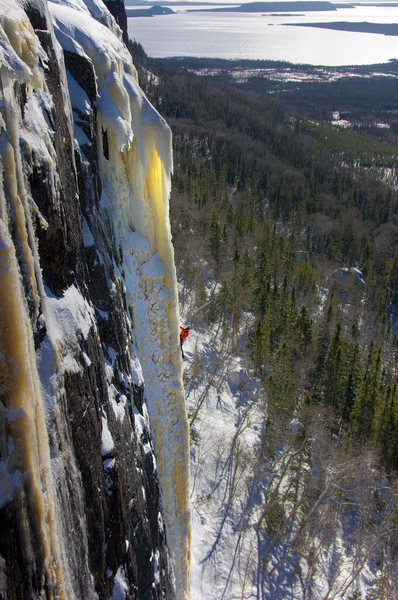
(224, 408)
(238, 548)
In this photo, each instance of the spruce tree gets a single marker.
(304, 325)
(280, 383)
(215, 237)
(247, 278)
(334, 371)
(321, 348)
(352, 380)
(366, 404)
(388, 427)
(258, 342)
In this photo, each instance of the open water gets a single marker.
(265, 36)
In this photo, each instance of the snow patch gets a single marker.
(156, 567)
(88, 238)
(107, 443)
(136, 242)
(136, 369)
(13, 413)
(154, 267)
(10, 482)
(67, 316)
(225, 430)
(78, 96)
(120, 585)
(139, 422)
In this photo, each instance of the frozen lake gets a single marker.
(265, 36)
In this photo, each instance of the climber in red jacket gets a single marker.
(184, 333)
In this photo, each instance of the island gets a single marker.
(149, 12)
(271, 7)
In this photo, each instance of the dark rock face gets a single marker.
(60, 245)
(108, 502)
(116, 8)
(82, 71)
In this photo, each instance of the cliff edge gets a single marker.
(94, 465)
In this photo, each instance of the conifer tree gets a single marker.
(258, 346)
(235, 292)
(280, 383)
(352, 380)
(355, 330)
(247, 278)
(387, 426)
(321, 348)
(366, 404)
(305, 329)
(282, 307)
(215, 237)
(223, 302)
(292, 310)
(200, 294)
(271, 338)
(262, 284)
(334, 371)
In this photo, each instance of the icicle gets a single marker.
(28, 461)
(26, 469)
(137, 198)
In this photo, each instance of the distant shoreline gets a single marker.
(271, 7)
(229, 64)
(364, 27)
(279, 6)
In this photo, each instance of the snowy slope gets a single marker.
(235, 552)
(225, 416)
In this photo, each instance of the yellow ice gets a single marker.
(139, 198)
(21, 391)
(28, 459)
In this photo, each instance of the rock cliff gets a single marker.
(93, 432)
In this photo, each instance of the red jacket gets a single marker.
(184, 333)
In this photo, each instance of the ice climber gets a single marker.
(184, 333)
